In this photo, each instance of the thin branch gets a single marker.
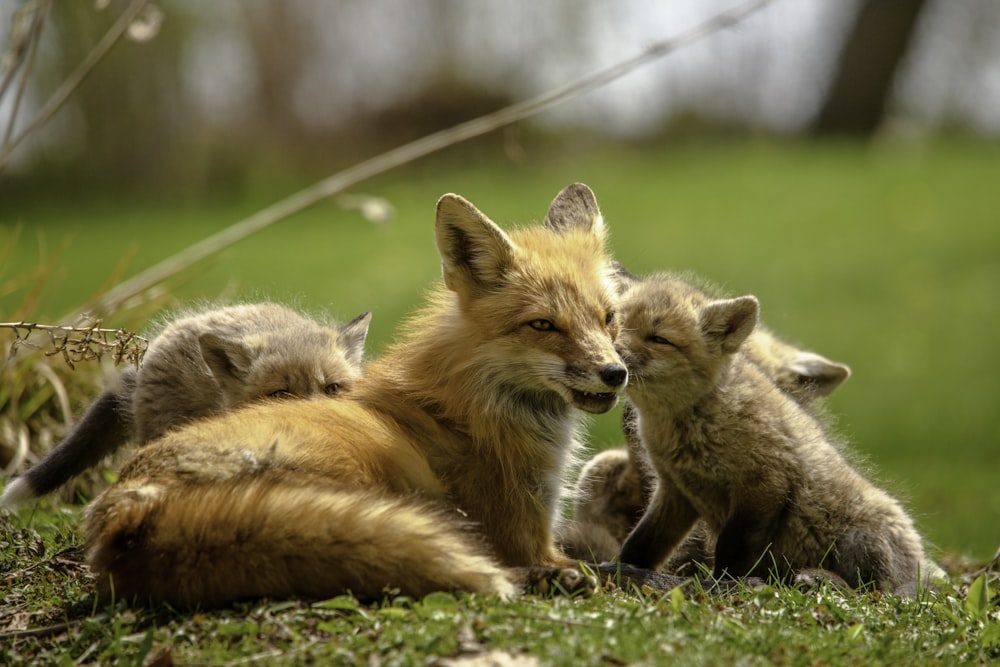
(22, 27)
(50, 630)
(407, 153)
(74, 80)
(29, 43)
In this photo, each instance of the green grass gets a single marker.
(884, 258)
(48, 616)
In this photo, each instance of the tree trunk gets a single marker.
(873, 50)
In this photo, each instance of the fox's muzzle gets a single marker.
(614, 377)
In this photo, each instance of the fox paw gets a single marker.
(552, 580)
(813, 577)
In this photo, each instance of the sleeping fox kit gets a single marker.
(204, 363)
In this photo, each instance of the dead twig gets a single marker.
(49, 630)
(76, 344)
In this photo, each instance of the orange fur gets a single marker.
(476, 409)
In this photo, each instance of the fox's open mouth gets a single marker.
(594, 403)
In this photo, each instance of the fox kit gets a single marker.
(441, 471)
(733, 449)
(804, 376)
(614, 487)
(203, 364)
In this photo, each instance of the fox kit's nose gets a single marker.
(614, 375)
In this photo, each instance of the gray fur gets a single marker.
(204, 363)
(729, 447)
(615, 487)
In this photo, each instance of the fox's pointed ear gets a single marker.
(475, 253)
(352, 338)
(227, 359)
(575, 207)
(730, 321)
(818, 374)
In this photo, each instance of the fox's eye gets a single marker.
(609, 318)
(332, 389)
(659, 340)
(281, 393)
(541, 325)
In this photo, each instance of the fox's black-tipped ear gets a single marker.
(352, 338)
(475, 253)
(575, 207)
(729, 322)
(817, 374)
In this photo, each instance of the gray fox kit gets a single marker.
(736, 451)
(614, 487)
(202, 364)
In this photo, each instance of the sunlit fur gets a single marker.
(203, 363)
(614, 487)
(466, 424)
(734, 450)
(805, 376)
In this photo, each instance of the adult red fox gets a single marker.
(442, 470)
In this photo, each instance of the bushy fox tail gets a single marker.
(277, 534)
(102, 430)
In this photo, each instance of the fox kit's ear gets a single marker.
(352, 338)
(575, 207)
(623, 279)
(227, 359)
(729, 321)
(818, 373)
(475, 253)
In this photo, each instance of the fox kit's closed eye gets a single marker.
(474, 413)
(201, 364)
(733, 449)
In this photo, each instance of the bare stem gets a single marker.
(407, 153)
(74, 80)
(32, 35)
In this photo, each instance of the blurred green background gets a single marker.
(875, 244)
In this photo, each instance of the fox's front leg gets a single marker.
(667, 519)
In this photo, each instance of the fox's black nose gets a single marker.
(614, 375)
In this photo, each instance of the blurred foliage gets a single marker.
(129, 117)
(311, 90)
